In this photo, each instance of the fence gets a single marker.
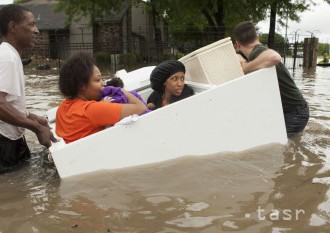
(54, 54)
(292, 55)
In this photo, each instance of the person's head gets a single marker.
(115, 82)
(81, 78)
(168, 77)
(18, 26)
(245, 33)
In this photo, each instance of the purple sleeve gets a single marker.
(138, 96)
(116, 94)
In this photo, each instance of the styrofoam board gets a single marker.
(214, 121)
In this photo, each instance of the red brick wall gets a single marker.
(108, 38)
(41, 48)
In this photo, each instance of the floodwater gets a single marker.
(271, 189)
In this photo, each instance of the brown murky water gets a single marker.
(273, 188)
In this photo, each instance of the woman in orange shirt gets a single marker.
(81, 114)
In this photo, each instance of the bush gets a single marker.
(169, 56)
(129, 59)
(179, 55)
(102, 58)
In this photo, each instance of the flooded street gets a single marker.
(272, 189)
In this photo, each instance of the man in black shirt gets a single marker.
(295, 108)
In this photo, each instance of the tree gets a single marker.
(195, 20)
(157, 10)
(191, 22)
(280, 44)
(197, 23)
(95, 9)
(218, 17)
(284, 9)
(323, 48)
(20, 1)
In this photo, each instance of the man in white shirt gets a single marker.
(18, 31)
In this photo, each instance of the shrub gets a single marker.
(102, 58)
(169, 56)
(129, 59)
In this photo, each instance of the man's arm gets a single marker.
(10, 115)
(266, 59)
(241, 59)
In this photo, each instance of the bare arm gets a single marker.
(10, 115)
(266, 59)
(241, 59)
(134, 105)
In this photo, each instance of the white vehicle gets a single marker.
(229, 112)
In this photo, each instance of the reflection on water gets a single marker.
(272, 188)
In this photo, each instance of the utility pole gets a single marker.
(286, 37)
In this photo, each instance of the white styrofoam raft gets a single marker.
(235, 116)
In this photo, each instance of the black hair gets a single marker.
(8, 13)
(245, 33)
(75, 74)
(115, 82)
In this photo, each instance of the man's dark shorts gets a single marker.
(296, 120)
(13, 153)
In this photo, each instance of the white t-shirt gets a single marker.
(12, 82)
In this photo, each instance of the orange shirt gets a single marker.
(77, 118)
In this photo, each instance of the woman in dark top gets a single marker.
(167, 81)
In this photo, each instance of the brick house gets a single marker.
(127, 31)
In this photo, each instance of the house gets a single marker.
(127, 31)
(54, 34)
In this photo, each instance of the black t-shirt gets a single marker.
(290, 94)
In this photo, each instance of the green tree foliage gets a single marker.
(157, 11)
(20, 1)
(323, 48)
(95, 9)
(279, 42)
(278, 38)
(195, 21)
(284, 9)
(216, 17)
